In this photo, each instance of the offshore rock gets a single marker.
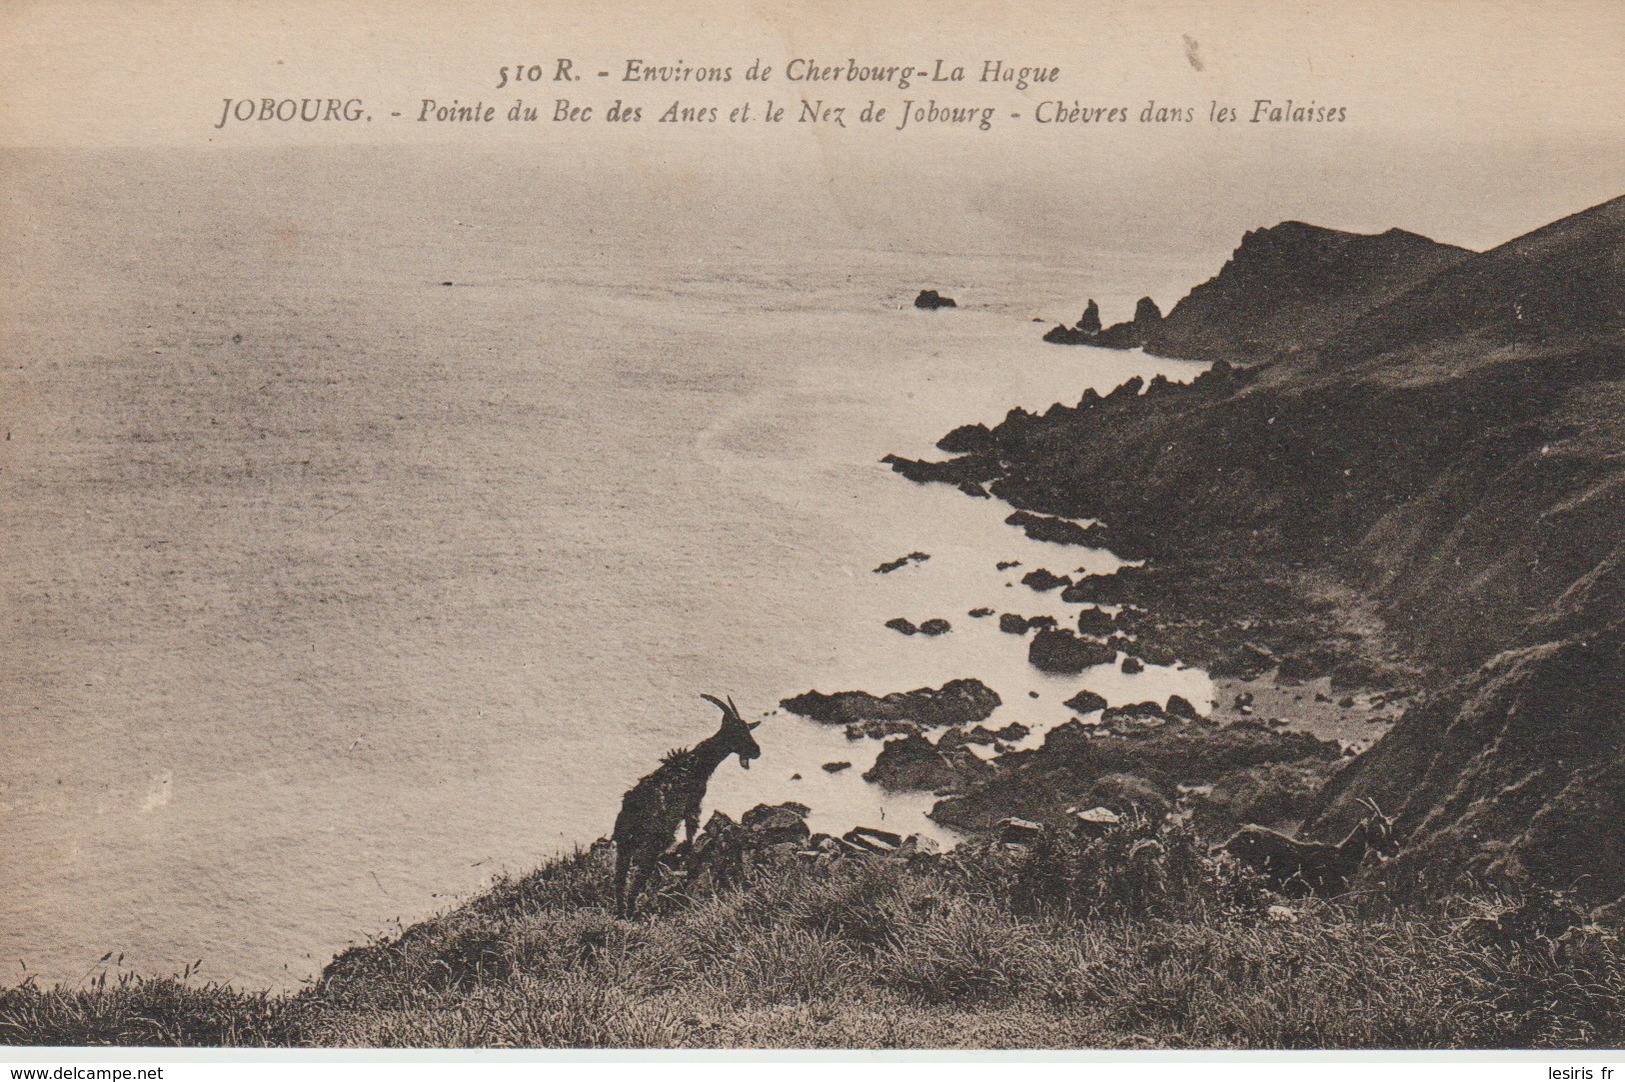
(958, 702)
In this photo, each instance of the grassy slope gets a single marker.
(1133, 947)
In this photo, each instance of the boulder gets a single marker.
(1085, 702)
(1058, 650)
(1044, 580)
(883, 842)
(1134, 716)
(958, 702)
(931, 300)
(919, 844)
(912, 762)
(935, 626)
(1089, 323)
(897, 623)
(776, 824)
(1180, 707)
(902, 561)
(837, 767)
(1093, 822)
(1132, 665)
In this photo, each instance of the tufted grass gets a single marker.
(988, 948)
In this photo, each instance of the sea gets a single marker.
(368, 530)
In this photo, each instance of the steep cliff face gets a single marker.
(1559, 284)
(1456, 452)
(1511, 775)
(1289, 287)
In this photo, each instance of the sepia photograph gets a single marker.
(821, 526)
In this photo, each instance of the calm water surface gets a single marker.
(330, 590)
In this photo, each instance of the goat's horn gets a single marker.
(718, 703)
(734, 708)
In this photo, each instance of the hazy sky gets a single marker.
(1468, 121)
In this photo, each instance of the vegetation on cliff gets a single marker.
(1138, 940)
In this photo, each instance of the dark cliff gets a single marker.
(1455, 452)
(1290, 287)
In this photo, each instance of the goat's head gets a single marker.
(735, 731)
(1377, 829)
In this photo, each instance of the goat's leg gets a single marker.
(691, 826)
(623, 864)
(640, 878)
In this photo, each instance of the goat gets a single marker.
(653, 807)
(1297, 867)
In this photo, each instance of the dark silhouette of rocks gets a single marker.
(1085, 702)
(1058, 530)
(930, 628)
(930, 299)
(913, 762)
(902, 561)
(1180, 707)
(1043, 580)
(1435, 433)
(1059, 650)
(1014, 624)
(776, 824)
(958, 702)
(1131, 334)
(1089, 322)
(1096, 622)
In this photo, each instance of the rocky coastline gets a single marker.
(1409, 496)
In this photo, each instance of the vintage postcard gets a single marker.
(537, 524)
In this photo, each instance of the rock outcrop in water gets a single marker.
(1074, 761)
(1424, 466)
(958, 702)
(913, 762)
